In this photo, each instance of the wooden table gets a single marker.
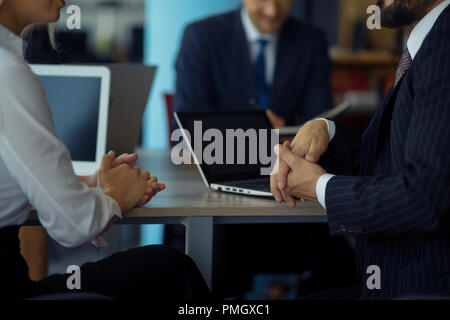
(188, 201)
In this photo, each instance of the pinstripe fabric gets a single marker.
(393, 191)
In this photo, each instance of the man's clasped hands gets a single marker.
(296, 171)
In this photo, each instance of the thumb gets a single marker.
(314, 158)
(125, 158)
(314, 153)
(107, 161)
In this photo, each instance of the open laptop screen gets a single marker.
(74, 102)
(226, 172)
(79, 98)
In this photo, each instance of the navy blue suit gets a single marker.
(393, 191)
(214, 69)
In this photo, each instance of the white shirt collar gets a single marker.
(251, 32)
(424, 26)
(11, 41)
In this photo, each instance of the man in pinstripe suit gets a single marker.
(390, 187)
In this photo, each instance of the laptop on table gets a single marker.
(231, 175)
(78, 97)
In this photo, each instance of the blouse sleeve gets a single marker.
(70, 211)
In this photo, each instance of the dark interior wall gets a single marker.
(322, 13)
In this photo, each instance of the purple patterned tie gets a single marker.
(403, 66)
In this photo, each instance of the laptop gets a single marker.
(130, 90)
(78, 97)
(231, 175)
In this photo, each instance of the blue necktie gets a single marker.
(261, 85)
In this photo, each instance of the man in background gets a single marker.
(255, 57)
(259, 57)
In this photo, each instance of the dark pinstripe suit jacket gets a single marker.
(392, 191)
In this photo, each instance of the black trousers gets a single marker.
(156, 272)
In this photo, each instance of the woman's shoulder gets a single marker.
(19, 86)
(8, 57)
(14, 69)
(11, 62)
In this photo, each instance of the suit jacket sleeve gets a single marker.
(318, 96)
(342, 156)
(416, 199)
(193, 85)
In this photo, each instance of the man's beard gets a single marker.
(403, 13)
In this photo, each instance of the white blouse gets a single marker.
(35, 166)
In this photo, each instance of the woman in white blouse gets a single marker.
(35, 168)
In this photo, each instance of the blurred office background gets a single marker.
(150, 31)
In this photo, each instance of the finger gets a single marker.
(130, 159)
(158, 188)
(107, 160)
(289, 200)
(280, 182)
(288, 156)
(149, 190)
(282, 176)
(126, 158)
(144, 200)
(301, 147)
(276, 192)
(314, 153)
(119, 159)
(146, 175)
(151, 184)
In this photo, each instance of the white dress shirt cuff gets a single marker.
(321, 188)
(331, 126)
(99, 241)
(115, 208)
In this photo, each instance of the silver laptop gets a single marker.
(236, 178)
(78, 97)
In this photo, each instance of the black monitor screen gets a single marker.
(75, 106)
(231, 120)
